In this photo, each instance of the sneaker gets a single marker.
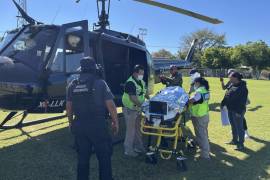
(203, 158)
(247, 136)
(139, 150)
(131, 154)
(240, 147)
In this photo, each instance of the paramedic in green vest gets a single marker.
(199, 110)
(133, 98)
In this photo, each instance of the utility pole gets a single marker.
(142, 33)
(21, 21)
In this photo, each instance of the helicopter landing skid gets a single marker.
(20, 124)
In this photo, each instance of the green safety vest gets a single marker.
(140, 93)
(201, 109)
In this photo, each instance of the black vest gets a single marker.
(88, 116)
(83, 102)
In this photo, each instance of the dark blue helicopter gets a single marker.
(37, 61)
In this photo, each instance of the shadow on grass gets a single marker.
(49, 156)
(253, 167)
(255, 108)
(214, 107)
(29, 132)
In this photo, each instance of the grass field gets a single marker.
(43, 152)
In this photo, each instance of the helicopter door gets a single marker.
(76, 45)
(72, 44)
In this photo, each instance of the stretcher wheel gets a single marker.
(181, 164)
(151, 158)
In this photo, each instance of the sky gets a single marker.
(244, 20)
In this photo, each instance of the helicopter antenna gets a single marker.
(57, 12)
(142, 33)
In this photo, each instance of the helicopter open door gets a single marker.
(72, 44)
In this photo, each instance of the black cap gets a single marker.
(193, 71)
(137, 68)
(173, 67)
(88, 64)
(231, 71)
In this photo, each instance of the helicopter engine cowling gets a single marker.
(19, 85)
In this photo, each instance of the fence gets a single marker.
(247, 73)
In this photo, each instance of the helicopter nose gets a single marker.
(18, 83)
(5, 61)
(13, 71)
(15, 77)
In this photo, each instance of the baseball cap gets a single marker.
(88, 64)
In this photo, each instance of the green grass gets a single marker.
(42, 152)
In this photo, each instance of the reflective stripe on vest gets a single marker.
(201, 109)
(140, 93)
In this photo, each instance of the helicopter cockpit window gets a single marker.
(7, 37)
(32, 46)
(74, 51)
(74, 44)
(24, 45)
(70, 50)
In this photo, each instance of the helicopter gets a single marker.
(38, 60)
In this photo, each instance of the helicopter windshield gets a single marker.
(8, 36)
(32, 46)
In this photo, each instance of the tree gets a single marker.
(258, 55)
(206, 39)
(163, 53)
(217, 57)
(253, 54)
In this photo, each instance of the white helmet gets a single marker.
(194, 76)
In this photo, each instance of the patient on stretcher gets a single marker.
(167, 104)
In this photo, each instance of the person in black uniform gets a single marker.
(88, 98)
(174, 80)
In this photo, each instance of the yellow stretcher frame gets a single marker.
(161, 131)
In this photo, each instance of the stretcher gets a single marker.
(163, 120)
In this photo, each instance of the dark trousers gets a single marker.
(237, 124)
(103, 150)
(245, 124)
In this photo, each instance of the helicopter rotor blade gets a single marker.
(181, 11)
(25, 16)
